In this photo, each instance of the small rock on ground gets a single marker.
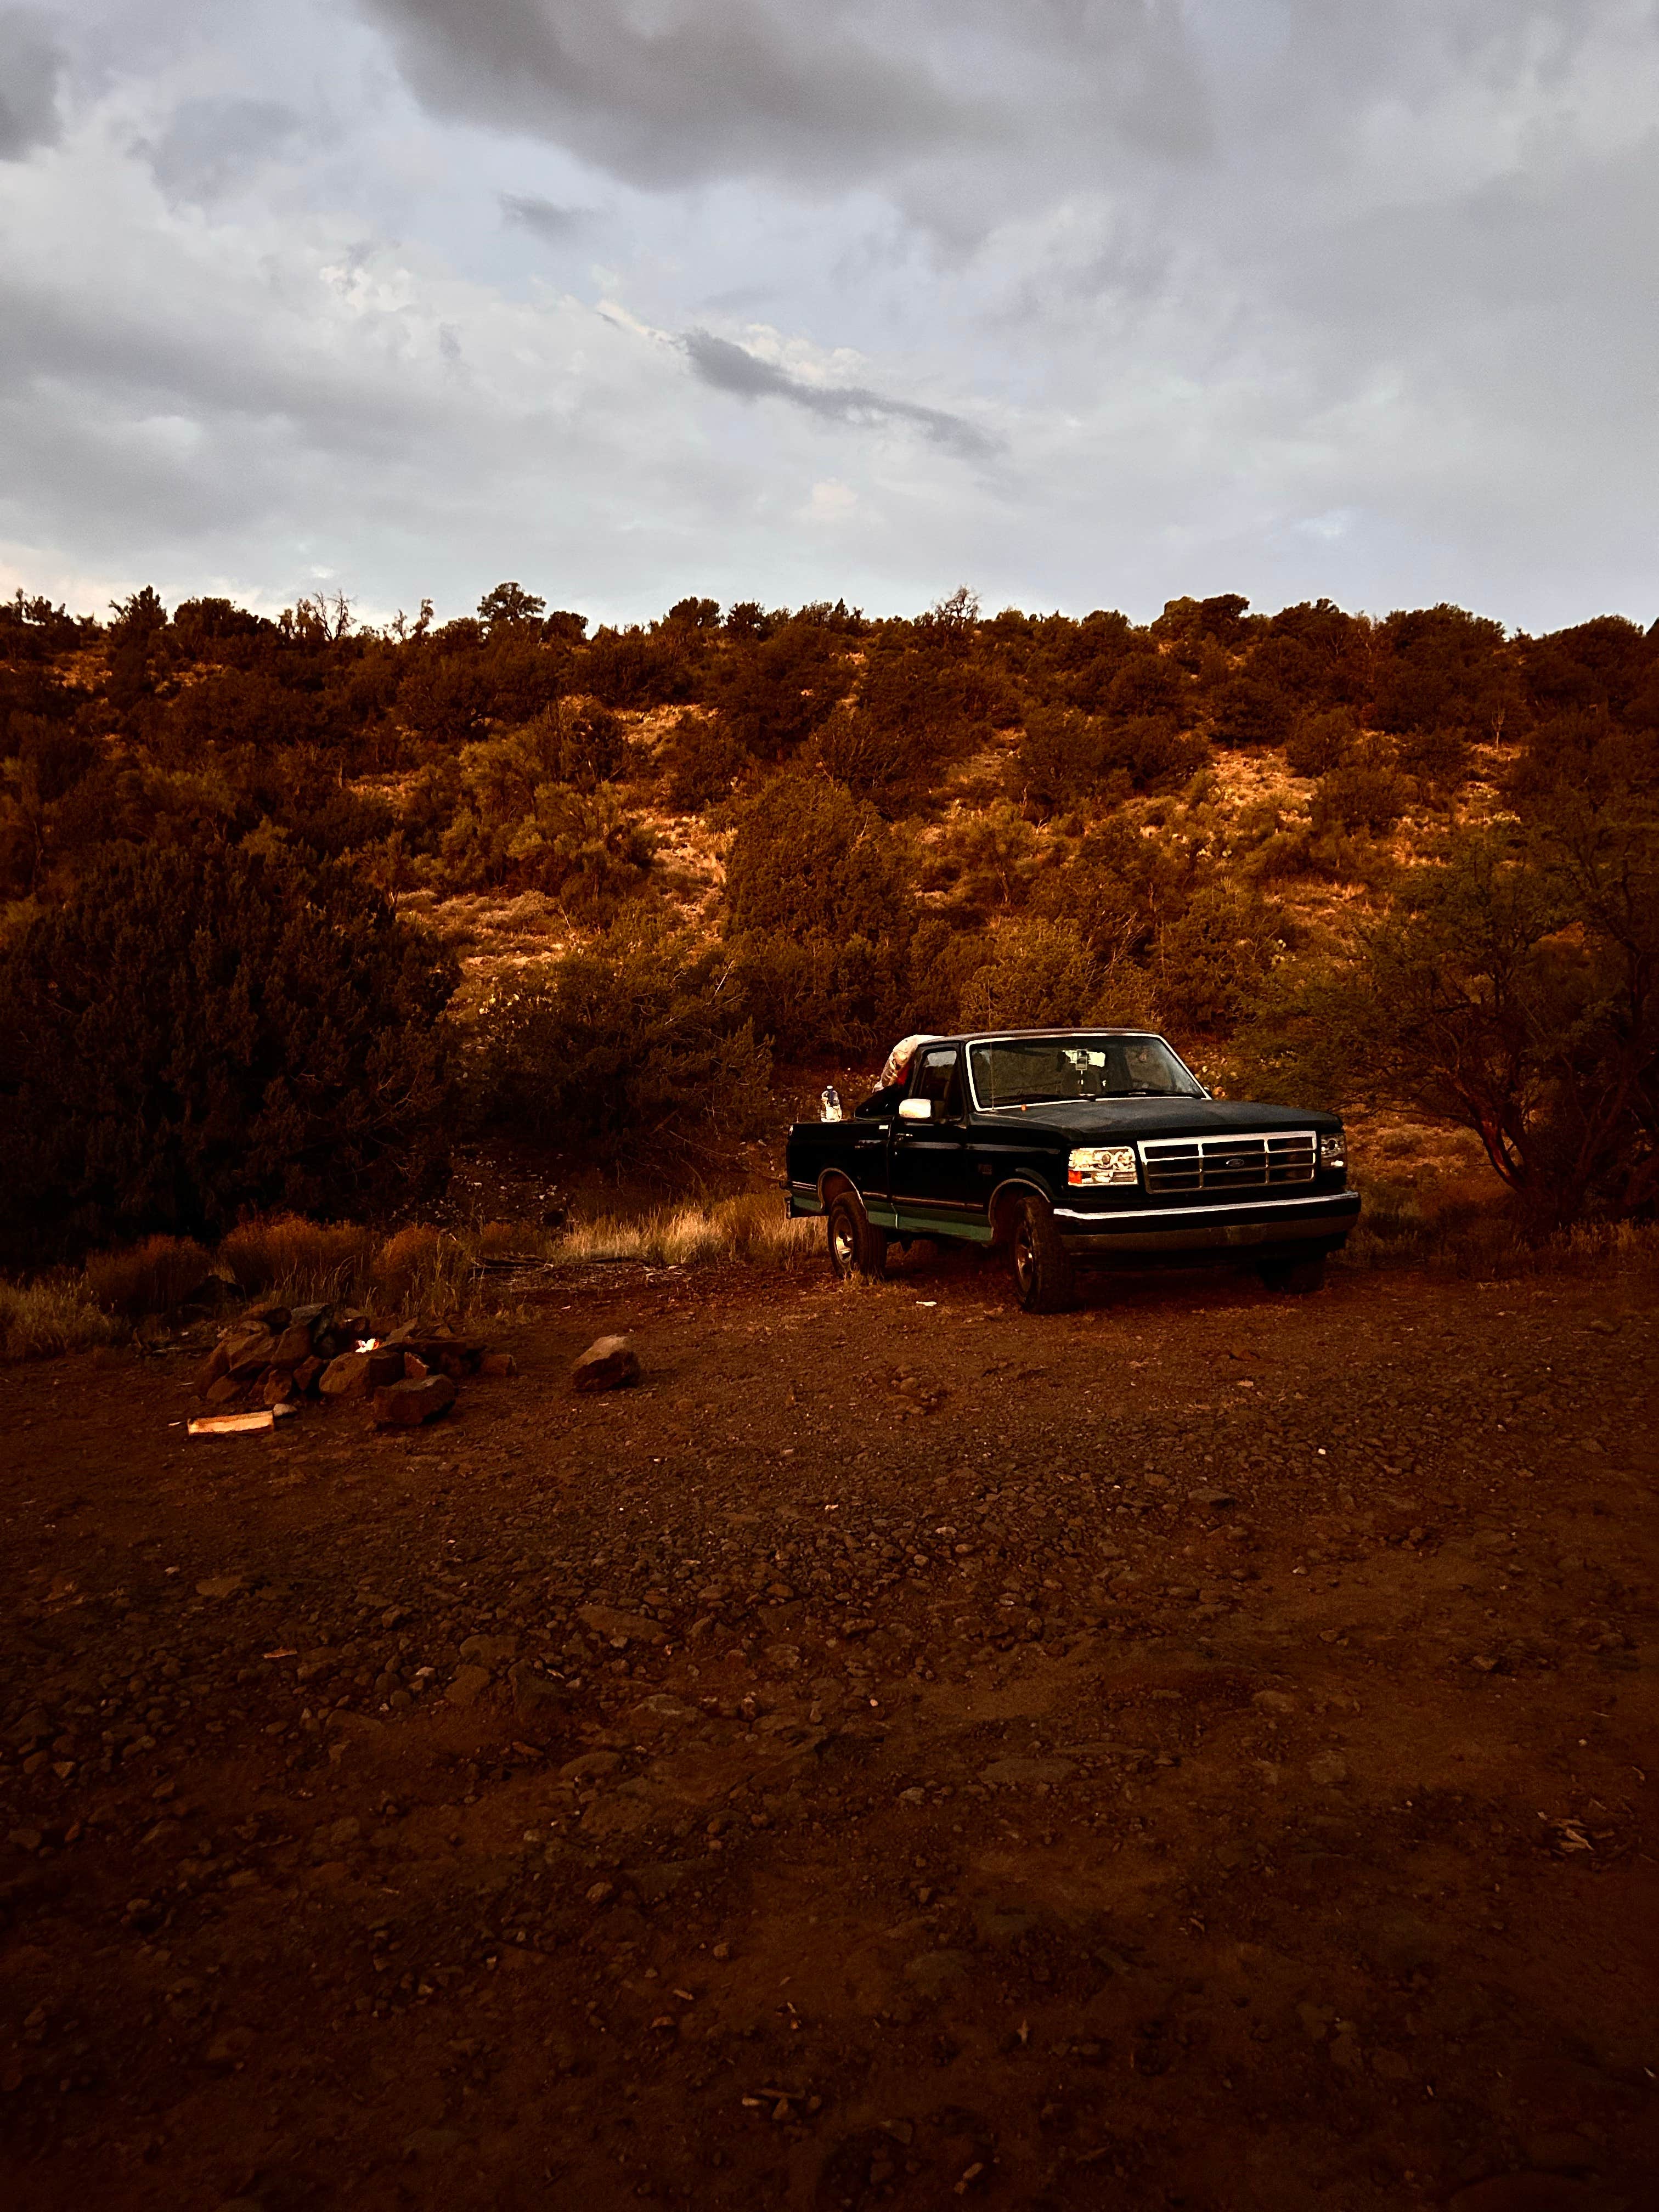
(610, 1363)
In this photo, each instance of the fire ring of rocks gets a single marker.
(276, 1357)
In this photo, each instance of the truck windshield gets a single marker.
(1024, 1071)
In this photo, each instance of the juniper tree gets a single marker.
(201, 1031)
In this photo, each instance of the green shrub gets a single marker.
(1510, 989)
(630, 668)
(1149, 682)
(809, 859)
(202, 1031)
(1320, 740)
(1065, 756)
(1438, 757)
(774, 695)
(989, 857)
(1363, 791)
(873, 762)
(633, 1047)
(943, 960)
(1117, 886)
(706, 762)
(820, 916)
(584, 848)
(527, 813)
(1249, 711)
(818, 996)
(1153, 756)
(1213, 959)
(1060, 760)
(1039, 975)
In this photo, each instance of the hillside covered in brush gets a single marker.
(578, 887)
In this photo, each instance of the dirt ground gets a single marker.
(1194, 1752)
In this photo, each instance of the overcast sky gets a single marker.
(1081, 303)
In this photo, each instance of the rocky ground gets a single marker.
(1196, 1751)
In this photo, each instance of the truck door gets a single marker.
(870, 1144)
(930, 1174)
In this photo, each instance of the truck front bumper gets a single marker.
(1324, 1219)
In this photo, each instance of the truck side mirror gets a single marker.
(915, 1109)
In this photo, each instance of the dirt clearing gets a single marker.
(1196, 1751)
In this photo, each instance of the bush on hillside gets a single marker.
(630, 668)
(820, 913)
(775, 695)
(1065, 758)
(705, 763)
(1213, 959)
(633, 1047)
(1117, 886)
(201, 1031)
(853, 749)
(1061, 758)
(1043, 974)
(810, 860)
(1249, 711)
(1365, 791)
(988, 858)
(519, 820)
(1512, 988)
(1321, 738)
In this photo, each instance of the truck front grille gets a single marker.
(1174, 1165)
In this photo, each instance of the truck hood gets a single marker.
(1107, 1121)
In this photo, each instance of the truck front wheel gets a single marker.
(856, 1246)
(1042, 1266)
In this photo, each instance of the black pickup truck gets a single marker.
(1062, 1145)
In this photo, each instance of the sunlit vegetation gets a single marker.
(287, 908)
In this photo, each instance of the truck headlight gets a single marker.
(1332, 1153)
(1097, 1164)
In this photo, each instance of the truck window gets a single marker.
(939, 1078)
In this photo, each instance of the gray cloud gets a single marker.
(1009, 108)
(731, 368)
(1265, 295)
(552, 224)
(702, 89)
(210, 147)
(31, 61)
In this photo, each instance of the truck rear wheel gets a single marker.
(1042, 1266)
(857, 1247)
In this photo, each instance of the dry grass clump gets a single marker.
(750, 1231)
(38, 1321)
(299, 1259)
(1402, 1224)
(424, 1269)
(1609, 1247)
(151, 1277)
(511, 1240)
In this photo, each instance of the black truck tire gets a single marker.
(857, 1247)
(1294, 1277)
(1044, 1274)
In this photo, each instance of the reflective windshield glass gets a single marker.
(1022, 1071)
